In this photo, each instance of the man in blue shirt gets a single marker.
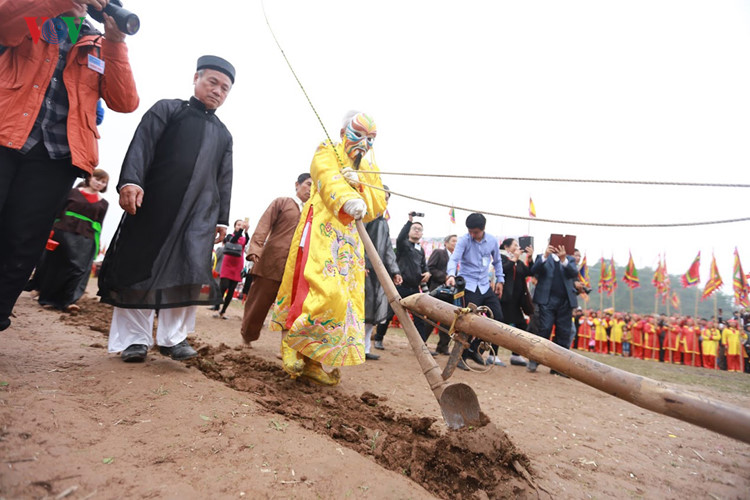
(472, 257)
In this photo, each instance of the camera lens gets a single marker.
(132, 24)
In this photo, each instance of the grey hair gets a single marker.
(448, 238)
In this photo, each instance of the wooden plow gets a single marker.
(460, 405)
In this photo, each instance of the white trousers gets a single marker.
(136, 326)
(368, 335)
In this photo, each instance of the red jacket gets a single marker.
(26, 69)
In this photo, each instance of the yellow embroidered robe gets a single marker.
(321, 298)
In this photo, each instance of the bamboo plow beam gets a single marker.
(647, 393)
(458, 402)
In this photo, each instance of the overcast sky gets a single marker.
(638, 90)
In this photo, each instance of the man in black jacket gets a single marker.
(411, 261)
(437, 265)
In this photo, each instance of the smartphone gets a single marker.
(526, 241)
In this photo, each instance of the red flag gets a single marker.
(692, 277)
(631, 274)
(714, 280)
(612, 276)
(741, 289)
(675, 300)
(658, 278)
(605, 278)
(583, 273)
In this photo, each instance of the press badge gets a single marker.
(96, 64)
(485, 261)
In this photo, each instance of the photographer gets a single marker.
(554, 297)
(411, 261)
(516, 299)
(48, 135)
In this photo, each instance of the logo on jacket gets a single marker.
(51, 30)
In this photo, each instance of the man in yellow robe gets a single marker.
(733, 339)
(320, 305)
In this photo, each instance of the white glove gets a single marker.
(357, 208)
(351, 176)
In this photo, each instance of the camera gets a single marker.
(416, 214)
(126, 21)
(450, 294)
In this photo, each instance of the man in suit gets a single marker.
(438, 265)
(554, 297)
(268, 250)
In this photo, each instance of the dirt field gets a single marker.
(76, 422)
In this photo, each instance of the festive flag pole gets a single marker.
(602, 285)
(631, 278)
(692, 276)
(583, 277)
(714, 281)
(666, 287)
(739, 283)
(657, 281)
(613, 279)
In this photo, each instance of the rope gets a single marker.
(263, 6)
(556, 221)
(547, 179)
(518, 217)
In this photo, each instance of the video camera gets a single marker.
(126, 21)
(450, 294)
(416, 214)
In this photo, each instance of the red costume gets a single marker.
(584, 335)
(690, 346)
(636, 342)
(672, 341)
(650, 342)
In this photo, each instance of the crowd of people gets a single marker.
(712, 343)
(304, 262)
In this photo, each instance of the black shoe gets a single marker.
(135, 353)
(4, 324)
(434, 354)
(553, 372)
(474, 356)
(532, 366)
(462, 366)
(179, 352)
(371, 357)
(378, 344)
(517, 360)
(444, 351)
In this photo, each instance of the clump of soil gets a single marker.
(94, 315)
(471, 463)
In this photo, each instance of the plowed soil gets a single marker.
(76, 422)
